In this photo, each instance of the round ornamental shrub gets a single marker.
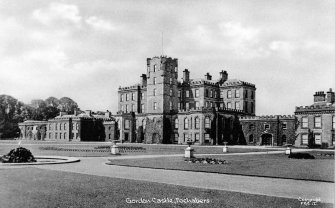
(18, 155)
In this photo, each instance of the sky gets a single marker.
(86, 49)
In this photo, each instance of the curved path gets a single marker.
(287, 188)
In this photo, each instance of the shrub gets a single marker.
(301, 155)
(18, 155)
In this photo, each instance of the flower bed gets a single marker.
(206, 161)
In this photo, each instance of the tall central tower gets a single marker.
(162, 92)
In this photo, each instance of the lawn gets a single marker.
(33, 187)
(102, 150)
(267, 165)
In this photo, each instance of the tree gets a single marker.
(67, 105)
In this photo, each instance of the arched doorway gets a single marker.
(266, 139)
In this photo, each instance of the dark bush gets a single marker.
(18, 155)
(300, 155)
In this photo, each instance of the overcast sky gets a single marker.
(87, 49)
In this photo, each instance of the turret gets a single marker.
(186, 75)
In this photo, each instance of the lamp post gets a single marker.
(189, 151)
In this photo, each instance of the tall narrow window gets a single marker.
(155, 106)
(197, 123)
(127, 109)
(317, 122)
(186, 123)
(304, 122)
(207, 138)
(246, 93)
(317, 138)
(237, 105)
(121, 98)
(207, 123)
(142, 108)
(154, 80)
(197, 137)
(132, 96)
(176, 123)
(179, 93)
(221, 94)
(171, 92)
(229, 105)
(155, 68)
(197, 93)
(154, 92)
(187, 105)
(283, 139)
(170, 105)
(127, 97)
(211, 93)
(187, 93)
(229, 94)
(237, 93)
(126, 124)
(252, 94)
(133, 107)
(197, 104)
(333, 122)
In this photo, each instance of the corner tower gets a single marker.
(162, 92)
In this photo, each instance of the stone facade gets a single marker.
(78, 127)
(317, 122)
(154, 110)
(269, 130)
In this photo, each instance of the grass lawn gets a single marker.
(270, 165)
(33, 187)
(96, 149)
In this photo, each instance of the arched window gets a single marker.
(186, 123)
(176, 123)
(283, 139)
(197, 123)
(251, 138)
(154, 120)
(207, 123)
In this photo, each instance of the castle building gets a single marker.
(269, 130)
(317, 122)
(85, 126)
(161, 109)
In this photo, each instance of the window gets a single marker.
(142, 108)
(237, 105)
(179, 93)
(187, 105)
(252, 94)
(333, 122)
(221, 94)
(170, 105)
(155, 106)
(154, 92)
(64, 135)
(64, 126)
(207, 123)
(207, 138)
(133, 107)
(206, 93)
(197, 93)
(229, 94)
(171, 92)
(304, 139)
(246, 106)
(126, 108)
(60, 126)
(132, 96)
(266, 126)
(176, 123)
(60, 135)
(176, 137)
(284, 125)
(127, 97)
(185, 137)
(121, 107)
(143, 123)
(187, 93)
(251, 127)
(317, 122)
(154, 81)
(197, 104)
(197, 137)
(252, 107)
(333, 138)
(186, 123)
(251, 138)
(56, 136)
(126, 124)
(179, 106)
(56, 125)
(237, 93)
(77, 126)
(50, 126)
(283, 139)
(121, 98)
(317, 139)
(229, 105)
(155, 67)
(246, 93)
(197, 123)
(215, 94)
(207, 104)
(211, 93)
(221, 105)
(304, 122)
(154, 120)
(176, 69)
(49, 135)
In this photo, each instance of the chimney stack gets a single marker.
(223, 76)
(144, 80)
(319, 96)
(208, 76)
(330, 96)
(108, 114)
(186, 75)
(88, 112)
